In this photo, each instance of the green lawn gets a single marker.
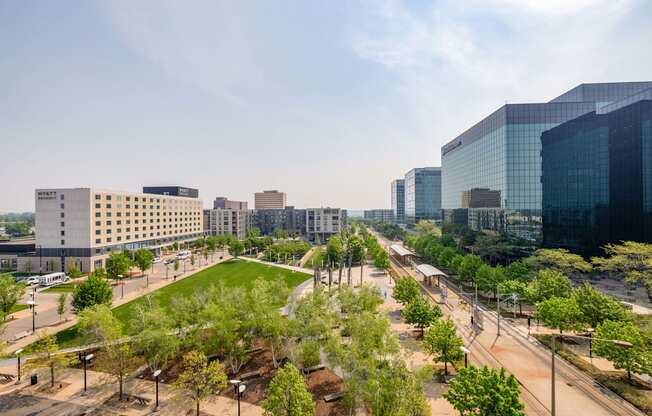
(62, 288)
(18, 307)
(234, 273)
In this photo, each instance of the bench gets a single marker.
(250, 375)
(253, 350)
(141, 400)
(314, 368)
(6, 378)
(21, 335)
(333, 397)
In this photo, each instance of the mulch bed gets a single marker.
(44, 386)
(128, 402)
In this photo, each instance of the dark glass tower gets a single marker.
(398, 200)
(422, 194)
(597, 177)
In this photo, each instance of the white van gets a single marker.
(52, 279)
(182, 255)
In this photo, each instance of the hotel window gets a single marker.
(62, 197)
(128, 198)
(108, 240)
(98, 240)
(98, 223)
(119, 238)
(98, 206)
(98, 197)
(62, 215)
(108, 206)
(119, 214)
(98, 214)
(62, 206)
(108, 214)
(108, 222)
(128, 237)
(63, 224)
(98, 232)
(108, 231)
(63, 233)
(108, 197)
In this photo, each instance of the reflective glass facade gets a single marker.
(597, 177)
(398, 200)
(503, 153)
(422, 194)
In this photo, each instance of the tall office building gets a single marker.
(597, 177)
(82, 226)
(224, 203)
(422, 194)
(398, 200)
(503, 153)
(270, 200)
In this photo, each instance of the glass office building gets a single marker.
(398, 200)
(503, 153)
(422, 194)
(597, 177)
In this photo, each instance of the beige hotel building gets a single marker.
(83, 226)
(270, 200)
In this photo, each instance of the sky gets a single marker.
(327, 101)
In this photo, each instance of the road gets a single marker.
(528, 361)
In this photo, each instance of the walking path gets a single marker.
(49, 321)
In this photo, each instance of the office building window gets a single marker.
(63, 224)
(62, 206)
(63, 242)
(62, 197)
(63, 233)
(62, 215)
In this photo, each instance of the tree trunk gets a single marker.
(629, 376)
(52, 374)
(120, 382)
(197, 408)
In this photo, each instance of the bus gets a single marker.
(52, 279)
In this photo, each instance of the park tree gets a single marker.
(489, 278)
(486, 392)
(143, 259)
(73, 270)
(288, 394)
(193, 259)
(48, 356)
(62, 305)
(469, 267)
(421, 313)
(516, 289)
(597, 307)
(406, 290)
(445, 256)
(100, 325)
(560, 313)
(428, 227)
(334, 250)
(153, 327)
(366, 299)
(309, 353)
(11, 292)
(236, 248)
(455, 263)
(517, 270)
(391, 389)
(199, 379)
(630, 259)
(442, 342)
(117, 265)
(176, 265)
(354, 249)
(550, 283)
(492, 248)
(558, 259)
(623, 344)
(381, 260)
(93, 291)
(264, 299)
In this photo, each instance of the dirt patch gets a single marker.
(48, 388)
(128, 402)
(322, 383)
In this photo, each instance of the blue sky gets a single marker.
(328, 101)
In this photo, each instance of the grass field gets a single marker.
(233, 273)
(18, 307)
(62, 288)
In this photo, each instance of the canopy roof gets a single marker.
(429, 271)
(400, 250)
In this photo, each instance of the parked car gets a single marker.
(157, 260)
(32, 280)
(168, 261)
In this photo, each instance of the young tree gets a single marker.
(73, 270)
(428, 227)
(486, 392)
(117, 264)
(455, 263)
(62, 305)
(154, 342)
(236, 248)
(99, 324)
(48, 356)
(443, 343)
(558, 259)
(635, 358)
(93, 291)
(199, 379)
(469, 267)
(381, 260)
(192, 260)
(421, 313)
(560, 313)
(597, 307)
(391, 389)
(406, 290)
(288, 394)
(630, 259)
(176, 265)
(143, 259)
(10, 293)
(517, 270)
(310, 353)
(550, 283)
(334, 250)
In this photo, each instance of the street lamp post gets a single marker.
(122, 285)
(86, 359)
(18, 358)
(591, 331)
(32, 304)
(40, 260)
(238, 388)
(498, 309)
(156, 374)
(167, 268)
(620, 343)
(466, 355)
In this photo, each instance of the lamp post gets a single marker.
(18, 358)
(40, 260)
(156, 374)
(238, 388)
(618, 342)
(86, 359)
(167, 268)
(591, 331)
(122, 285)
(498, 309)
(466, 355)
(32, 304)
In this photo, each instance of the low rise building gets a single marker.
(385, 215)
(322, 223)
(235, 222)
(290, 219)
(224, 203)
